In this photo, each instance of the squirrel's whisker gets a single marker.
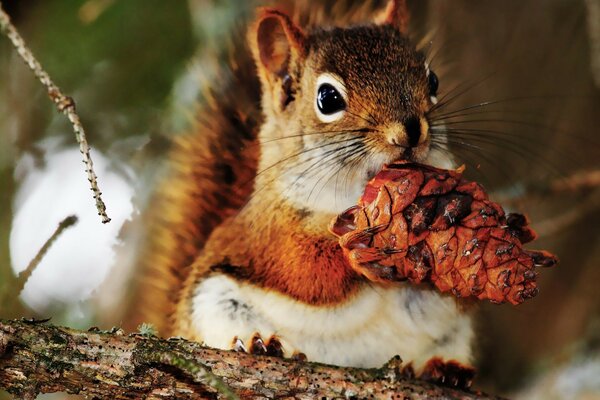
(452, 95)
(466, 112)
(331, 133)
(529, 124)
(436, 109)
(287, 159)
(320, 158)
(526, 154)
(348, 163)
(340, 157)
(371, 122)
(479, 153)
(470, 159)
(324, 158)
(359, 158)
(518, 136)
(325, 172)
(291, 158)
(516, 147)
(304, 151)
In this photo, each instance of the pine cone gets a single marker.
(424, 224)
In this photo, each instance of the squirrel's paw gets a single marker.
(257, 346)
(448, 373)
(370, 264)
(373, 263)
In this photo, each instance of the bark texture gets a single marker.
(39, 358)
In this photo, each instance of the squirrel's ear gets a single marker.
(396, 14)
(275, 39)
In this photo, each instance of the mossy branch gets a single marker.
(39, 358)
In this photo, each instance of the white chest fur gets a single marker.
(365, 331)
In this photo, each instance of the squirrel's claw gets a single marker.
(238, 345)
(344, 222)
(448, 373)
(259, 347)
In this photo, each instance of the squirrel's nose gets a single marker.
(412, 132)
(412, 126)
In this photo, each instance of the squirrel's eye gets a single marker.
(330, 93)
(329, 100)
(434, 83)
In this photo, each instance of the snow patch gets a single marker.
(81, 258)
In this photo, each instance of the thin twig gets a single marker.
(579, 182)
(25, 274)
(63, 103)
(559, 223)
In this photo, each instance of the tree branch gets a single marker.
(64, 104)
(39, 358)
(26, 273)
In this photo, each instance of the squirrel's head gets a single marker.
(339, 103)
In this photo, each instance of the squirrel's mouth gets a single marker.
(410, 154)
(422, 154)
(403, 155)
(418, 154)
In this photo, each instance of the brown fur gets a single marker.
(275, 244)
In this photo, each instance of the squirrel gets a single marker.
(239, 255)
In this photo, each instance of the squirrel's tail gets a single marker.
(210, 175)
(212, 169)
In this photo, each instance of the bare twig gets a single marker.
(578, 182)
(39, 358)
(581, 182)
(63, 103)
(559, 223)
(26, 273)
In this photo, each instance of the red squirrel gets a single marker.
(239, 254)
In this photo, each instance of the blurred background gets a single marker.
(522, 81)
